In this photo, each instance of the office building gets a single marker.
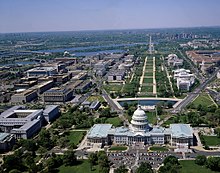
(117, 75)
(84, 86)
(174, 61)
(58, 95)
(7, 141)
(25, 123)
(42, 71)
(25, 96)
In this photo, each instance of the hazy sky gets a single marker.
(70, 15)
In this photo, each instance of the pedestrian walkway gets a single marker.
(199, 143)
(154, 78)
(83, 144)
(111, 170)
(168, 76)
(184, 155)
(143, 73)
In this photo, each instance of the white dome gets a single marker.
(139, 112)
(139, 120)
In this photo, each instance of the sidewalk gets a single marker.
(154, 77)
(143, 73)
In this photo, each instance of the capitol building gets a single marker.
(140, 131)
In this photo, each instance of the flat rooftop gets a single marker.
(42, 69)
(99, 130)
(181, 130)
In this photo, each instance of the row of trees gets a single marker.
(204, 115)
(100, 159)
(25, 162)
(171, 164)
(212, 163)
(74, 116)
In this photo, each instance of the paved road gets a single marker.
(111, 103)
(147, 98)
(191, 96)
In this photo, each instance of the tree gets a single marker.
(171, 159)
(41, 150)
(106, 112)
(217, 131)
(69, 158)
(213, 163)
(13, 161)
(159, 109)
(15, 171)
(121, 169)
(103, 162)
(44, 139)
(171, 164)
(29, 144)
(200, 160)
(169, 104)
(93, 159)
(53, 162)
(125, 106)
(30, 163)
(145, 167)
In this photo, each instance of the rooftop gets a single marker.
(28, 125)
(181, 130)
(117, 72)
(99, 130)
(3, 136)
(49, 108)
(42, 69)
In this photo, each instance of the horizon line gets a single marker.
(90, 30)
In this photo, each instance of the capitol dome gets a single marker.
(139, 113)
(139, 120)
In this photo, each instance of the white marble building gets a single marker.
(140, 131)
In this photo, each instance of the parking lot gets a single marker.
(137, 154)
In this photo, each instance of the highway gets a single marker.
(191, 96)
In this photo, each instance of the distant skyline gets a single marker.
(76, 15)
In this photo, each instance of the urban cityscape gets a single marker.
(109, 100)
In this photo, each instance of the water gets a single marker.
(75, 49)
(19, 63)
(146, 102)
(97, 52)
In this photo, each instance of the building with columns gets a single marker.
(140, 131)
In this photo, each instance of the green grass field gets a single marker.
(189, 166)
(212, 140)
(118, 148)
(158, 148)
(95, 98)
(76, 136)
(147, 89)
(149, 65)
(112, 88)
(148, 80)
(168, 122)
(148, 74)
(82, 167)
(151, 117)
(203, 99)
(115, 121)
